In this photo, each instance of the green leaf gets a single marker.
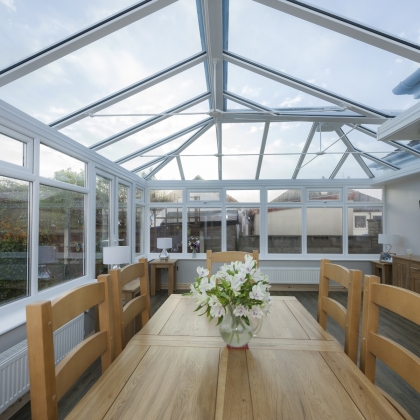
(219, 321)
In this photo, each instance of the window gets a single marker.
(242, 229)
(205, 224)
(284, 229)
(139, 229)
(61, 167)
(12, 151)
(14, 238)
(326, 195)
(243, 196)
(166, 196)
(61, 236)
(284, 196)
(166, 223)
(324, 227)
(123, 225)
(365, 195)
(103, 197)
(203, 196)
(363, 233)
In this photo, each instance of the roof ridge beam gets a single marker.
(346, 27)
(129, 91)
(149, 122)
(180, 149)
(81, 38)
(301, 85)
(163, 141)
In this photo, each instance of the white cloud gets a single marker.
(289, 102)
(250, 92)
(10, 4)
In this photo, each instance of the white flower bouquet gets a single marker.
(239, 288)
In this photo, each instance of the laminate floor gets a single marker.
(404, 332)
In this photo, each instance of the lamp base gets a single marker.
(164, 255)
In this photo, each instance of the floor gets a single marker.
(404, 332)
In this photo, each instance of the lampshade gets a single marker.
(388, 239)
(116, 254)
(164, 243)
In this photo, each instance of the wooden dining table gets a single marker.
(178, 367)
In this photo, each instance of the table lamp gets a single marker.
(388, 240)
(163, 244)
(116, 255)
(46, 255)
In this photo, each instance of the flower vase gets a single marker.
(235, 331)
(194, 253)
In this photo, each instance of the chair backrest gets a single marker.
(401, 360)
(123, 315)
(228, 257)
(347, 318)
(49, 382)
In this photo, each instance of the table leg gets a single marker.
(153, 280)
(158, 270)
(170, 280)
(175, 270)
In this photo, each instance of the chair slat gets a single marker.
(75, 302)
(78, 360)
(401, 301)
(338, 273)
(227, 257)
(131, 272)
(133, 308)
(336, 310)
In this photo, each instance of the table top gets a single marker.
(178, 367)
(381, 262)
(163, 262)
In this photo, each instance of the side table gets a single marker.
(382, 270)
(155, 265)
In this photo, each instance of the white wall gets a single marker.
(403, 213)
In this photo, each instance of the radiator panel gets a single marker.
(291, 275)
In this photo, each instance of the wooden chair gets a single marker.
(49, 382)
(402, 361)
(347, 318)
(123, 315)
(228, 257)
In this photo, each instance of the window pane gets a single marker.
(325, 230)
(365, 194)
(139, 194)
(12, 150)
(243, 196)
(61, 167)
(284, 230)
(61, 236)
(327, 195)
(243, 229)
(103, 197)
(166, 223)
(364, 226)
(166, 196)
(123, 192)
(284, 196)
(204, 196)
(14, 232)
(139, 229)
(205, 224)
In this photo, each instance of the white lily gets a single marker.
(217, 311)
(256, 312)
(257, 293)
(240, 311)
(202, 272)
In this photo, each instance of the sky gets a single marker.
(309, 52)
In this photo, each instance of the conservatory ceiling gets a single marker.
(219, 89)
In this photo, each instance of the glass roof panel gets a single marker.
(169, 172)
(377, 169)
(230, 105)
(239, 167)
(148, 136)
(287, 137)
(378, 14)
(136, 162)
(204, 145)
(200, 167)
(327, 141)
(327, 59)
(242, 138)
(267, 92)
(367, 143)
(27, 26)
(351, 169)
(278, 167)
(109, 64)
(156, 99)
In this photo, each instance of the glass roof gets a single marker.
(263, 94)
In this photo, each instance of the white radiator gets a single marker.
(291, 275)
(14, 373)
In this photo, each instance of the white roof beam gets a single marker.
(81, 39)
(148, 164)
(346, 27)
(129, 91)
(163, 141)
(181, 170)
(339, 165)
(301, 85)
(180, 149)
(213, 33)
(219, 148)
(351, 148)
(149, 122)
(304, 150)
(377, 160)
(403, 147)
(262, 149)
